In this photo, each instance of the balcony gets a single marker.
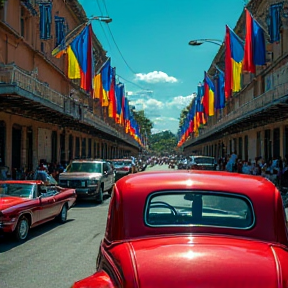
(23, 94)
(246, 111)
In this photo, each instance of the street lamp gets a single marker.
(198, 42)
(105, 19)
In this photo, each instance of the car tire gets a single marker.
(110, 190)
(62, 217)
(22, 229)
(100, 195)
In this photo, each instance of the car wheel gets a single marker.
(22, 229)
(110, 190)
(100, 195)
(63, 214)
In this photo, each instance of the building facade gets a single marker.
(44, 114)
(254, 121)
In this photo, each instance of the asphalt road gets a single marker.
(57, 255)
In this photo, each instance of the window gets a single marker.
(195, 208)
(45, 20)
(60, 29)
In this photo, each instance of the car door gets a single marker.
(108, 176)
(48, 208)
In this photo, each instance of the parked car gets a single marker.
(90, 178)
(193, 229)
(123, 167)
(202, 163)
(25, 204)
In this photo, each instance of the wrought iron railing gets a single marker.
(11, 74)
(237, 110)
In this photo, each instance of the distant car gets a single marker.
(123, 167)
(202, 163)
(90, 178)
(186, 228)
(25, 204)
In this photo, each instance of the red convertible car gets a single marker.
(25, 204)
(193, 229)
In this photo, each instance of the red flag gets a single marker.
(228, 65)
(248, 63)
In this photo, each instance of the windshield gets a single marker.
(204, 160)
(201, 209)
(17, 190)
(84, 167)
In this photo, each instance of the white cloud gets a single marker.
(181, 102)
(150, 105)
(156, 77)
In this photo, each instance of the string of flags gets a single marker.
(241, 56)
(100, 84)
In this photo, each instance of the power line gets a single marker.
(114, 38)
(133, 83)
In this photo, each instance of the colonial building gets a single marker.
(254, 121)
(44, 114)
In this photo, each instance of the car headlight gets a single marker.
(92, 182)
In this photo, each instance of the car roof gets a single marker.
(38, 182)
(88, 161)
(202, 156)
(130, 195)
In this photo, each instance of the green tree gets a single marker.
(163, 143)
(144, 123)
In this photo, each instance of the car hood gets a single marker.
(82, 175)
(8, 201)
(204, 262)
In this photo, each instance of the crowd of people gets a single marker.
(274, 169)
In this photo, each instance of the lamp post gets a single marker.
(198, 42)
(105, 19)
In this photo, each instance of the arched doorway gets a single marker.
(16, 149)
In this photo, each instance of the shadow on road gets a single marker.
(82, 203)
(8, 241)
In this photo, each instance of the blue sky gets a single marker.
(147, 41)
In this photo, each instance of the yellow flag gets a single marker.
(73, 65)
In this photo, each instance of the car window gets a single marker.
(206, 160)
(199, 208)
(17, 190)
(84, 167)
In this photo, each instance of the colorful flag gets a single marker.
(208, 101)
(255, 47)
(234, 54)
(97, 87)
(219, 90)
(73, 65)
(112, 97)
(119, 92)
(106, 75)
(82, 49)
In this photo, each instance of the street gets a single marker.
(56, 255)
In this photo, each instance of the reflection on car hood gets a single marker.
(204, 261)
(82, 175)
(9, 201)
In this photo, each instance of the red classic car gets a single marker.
(25, 204)
(193, 229)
